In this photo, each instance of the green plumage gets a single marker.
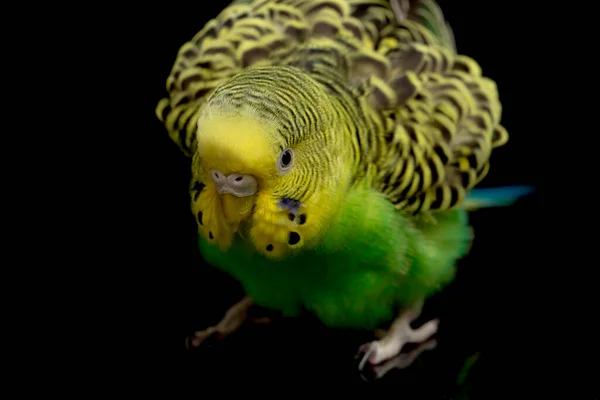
(372, 259)
(391, 130)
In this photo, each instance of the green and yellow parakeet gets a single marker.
(335, 144)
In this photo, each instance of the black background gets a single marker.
(489, 308)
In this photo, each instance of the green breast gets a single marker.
(367, 265)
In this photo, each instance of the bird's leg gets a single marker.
(389, 346)
(233, 320)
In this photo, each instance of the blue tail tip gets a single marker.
(499, 196)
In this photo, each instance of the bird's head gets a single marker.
(273, 161)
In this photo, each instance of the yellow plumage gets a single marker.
(363, 92)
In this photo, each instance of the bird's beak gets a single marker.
(237, 195)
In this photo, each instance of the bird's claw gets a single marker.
(370, 371)
(236, 317)
(208, 335)
(366, 352)
(384, 354)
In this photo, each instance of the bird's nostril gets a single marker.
(217, 175)
(240, 185)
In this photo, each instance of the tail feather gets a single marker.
(496, 197)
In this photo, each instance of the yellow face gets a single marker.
(275, 192)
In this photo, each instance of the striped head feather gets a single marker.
(278, 129)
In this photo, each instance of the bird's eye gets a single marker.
(286, 160)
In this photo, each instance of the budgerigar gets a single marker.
(334, 146)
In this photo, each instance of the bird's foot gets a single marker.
(370, 372)
(380, 356)
(233, 320)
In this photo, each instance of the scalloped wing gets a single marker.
(441, 117)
